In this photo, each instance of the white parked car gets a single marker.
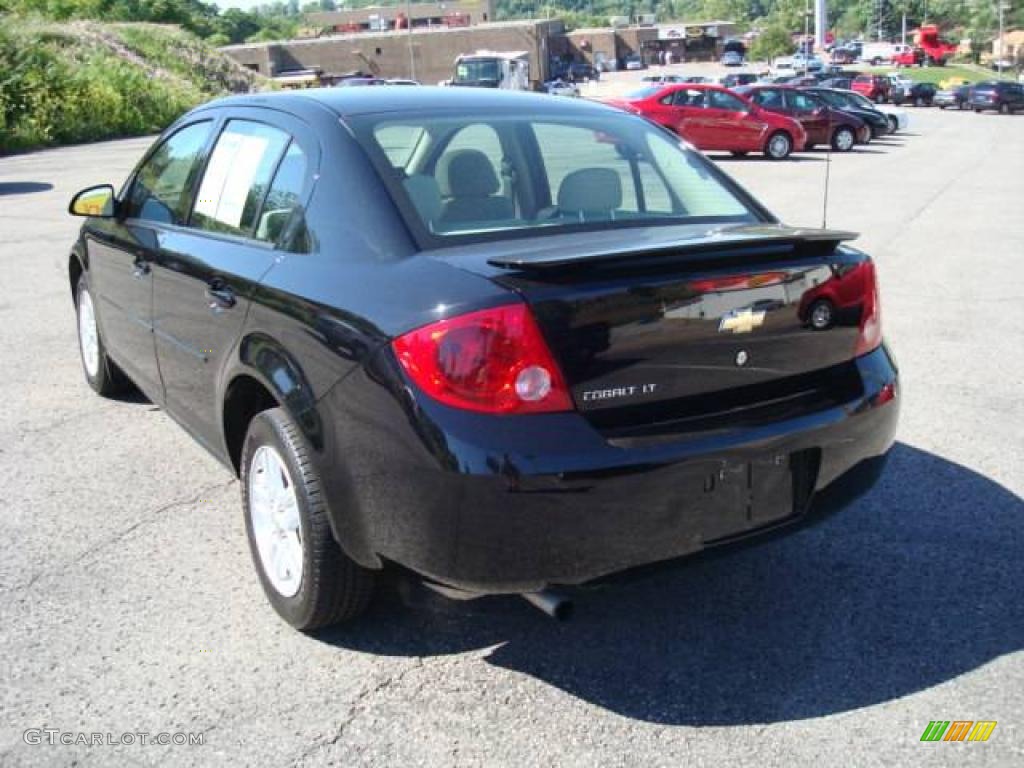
(561, 88)
(898, 117)
(782, 66)
(801, 62)
(898, 83)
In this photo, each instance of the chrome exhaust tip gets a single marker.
(554, 605)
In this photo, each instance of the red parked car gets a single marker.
(713, 118)
(874, 87)
(823, 124)
(834, 302)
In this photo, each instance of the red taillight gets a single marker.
(492, 361)
(870, 333)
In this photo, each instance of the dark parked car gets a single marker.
(844, 83)
(918, 94)
(423, 334)
(580, 71)
(998, 95)
(822, 123)
(850, 102)
(739, 78)
(953, 97)
(844, 56)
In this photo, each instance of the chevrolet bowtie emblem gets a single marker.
(741, 321)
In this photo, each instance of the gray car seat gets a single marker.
(590, 194)
(468, 183)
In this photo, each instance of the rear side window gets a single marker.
(238, 176)
(723, 100)
(801, 101)
(281, 218)
(161, 189)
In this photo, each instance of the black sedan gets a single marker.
(426, 335)
(918, 94)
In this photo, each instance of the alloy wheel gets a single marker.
(88, 335)
(276, 524)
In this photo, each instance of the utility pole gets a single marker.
(1002, 46)
(803, 43)
(412, 54)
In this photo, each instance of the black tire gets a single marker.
(108, 380)
(773, 148)
(894, 124)
(843, 139)
(333, 587)
(821, 315)
(1004, 109)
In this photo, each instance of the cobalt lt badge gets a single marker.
(742, 357)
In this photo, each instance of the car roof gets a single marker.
(362, 101)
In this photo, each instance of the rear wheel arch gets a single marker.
(244, 398)
(269, 378)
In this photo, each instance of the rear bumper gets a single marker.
(511, 505)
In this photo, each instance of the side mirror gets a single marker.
(96, 201)
(818, 111)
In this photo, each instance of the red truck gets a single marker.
(937, 51)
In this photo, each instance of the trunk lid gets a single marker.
(660, 323)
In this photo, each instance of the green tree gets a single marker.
(773, 41)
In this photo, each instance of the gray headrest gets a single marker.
(467, 173)
(590, 190)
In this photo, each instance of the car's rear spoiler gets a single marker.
(763, 239)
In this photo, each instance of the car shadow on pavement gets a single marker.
(794, 158)
(913, 585)
(23, 187)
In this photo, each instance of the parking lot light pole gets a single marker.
(1002, 43)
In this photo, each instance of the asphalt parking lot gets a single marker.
(128, 602)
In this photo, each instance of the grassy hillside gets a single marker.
(80, 81)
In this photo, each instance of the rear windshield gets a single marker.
(643, 93)
(486, 176)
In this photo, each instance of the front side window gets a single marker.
(237, 177)
(485, 176)
(161, 189)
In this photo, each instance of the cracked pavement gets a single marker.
(128, 601)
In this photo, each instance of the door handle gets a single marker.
(221, 296)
